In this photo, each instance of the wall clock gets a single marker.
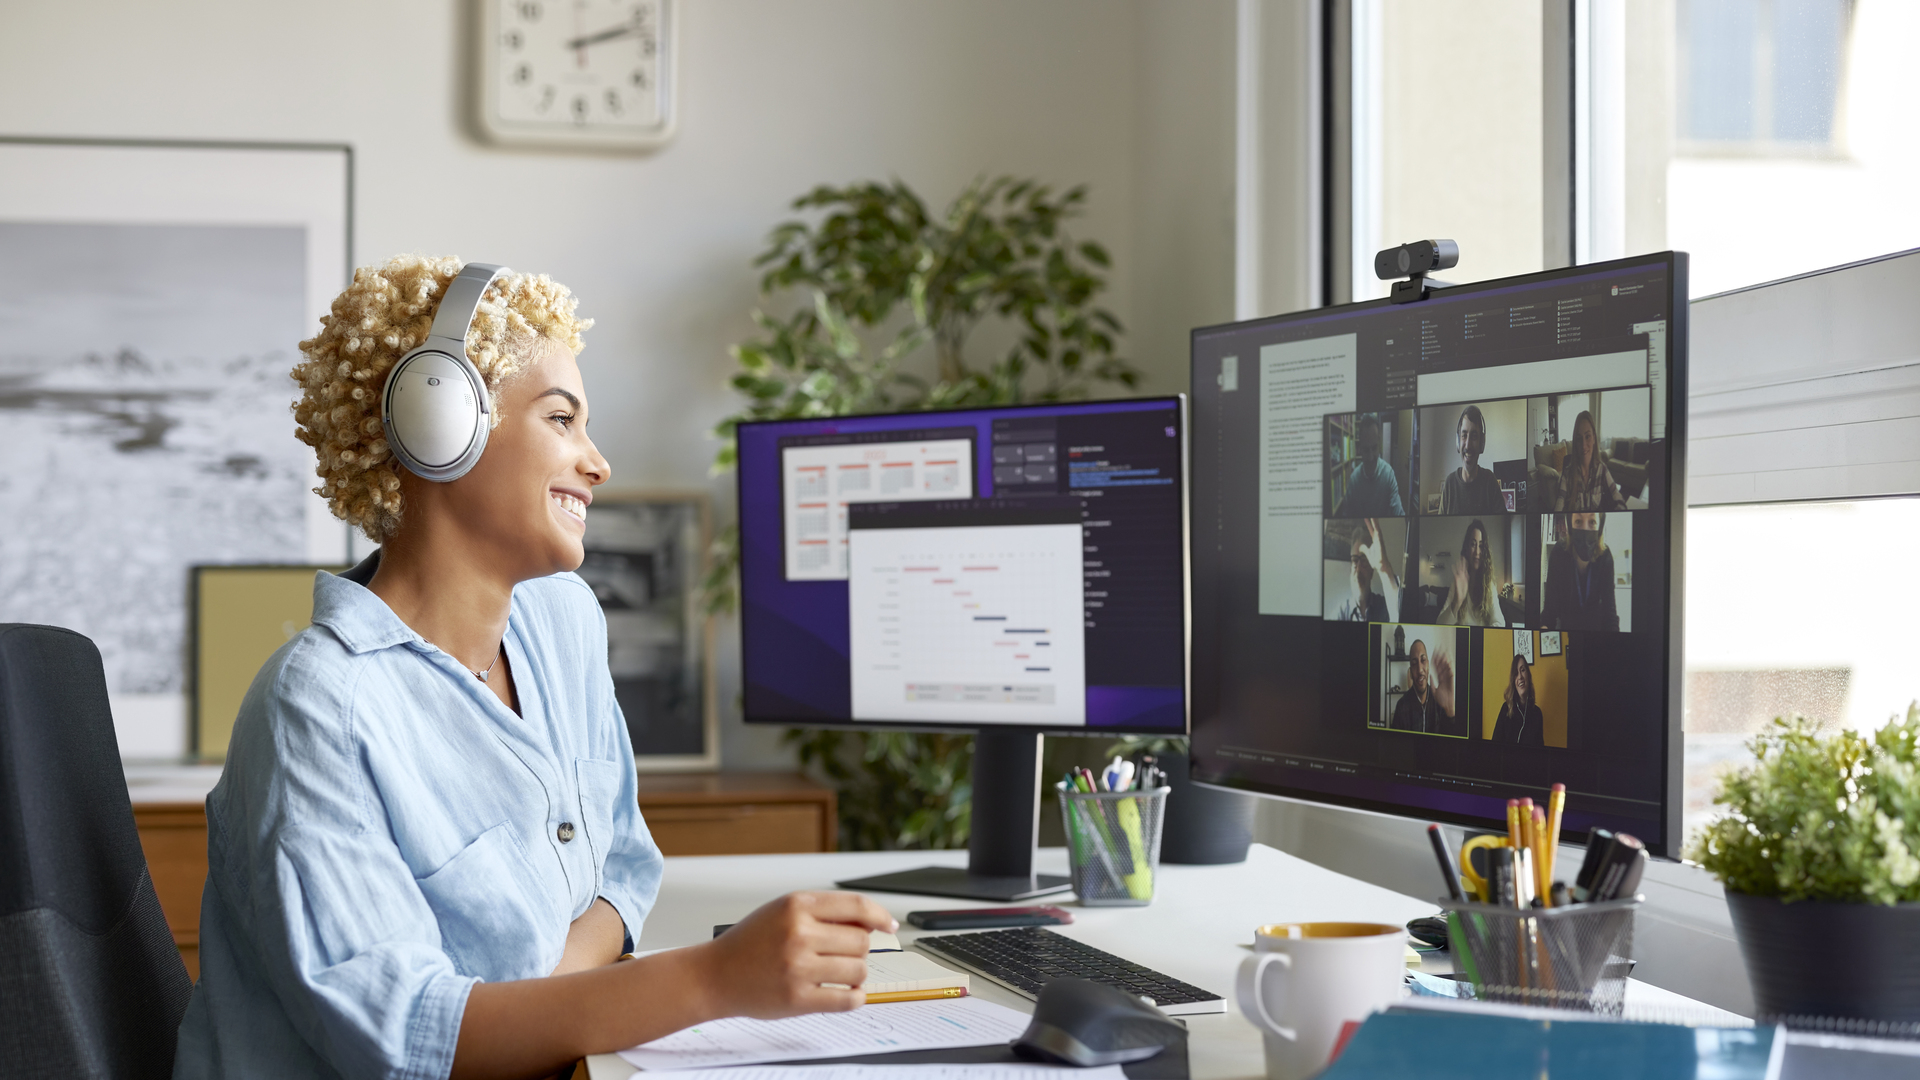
(576, 73)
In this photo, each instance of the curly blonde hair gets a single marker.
(383, 315)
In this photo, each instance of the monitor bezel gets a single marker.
(1182, 405)
(1204, 575)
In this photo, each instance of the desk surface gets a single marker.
(1195, 929)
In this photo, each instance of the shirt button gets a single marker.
(565, 831)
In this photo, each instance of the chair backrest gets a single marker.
(92, 984)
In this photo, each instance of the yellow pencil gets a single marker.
(1543, 885)
(1556, 804)
(917, 995)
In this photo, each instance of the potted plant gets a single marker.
(888, 294)
(1820, 856)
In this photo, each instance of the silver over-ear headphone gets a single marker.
(434, 407)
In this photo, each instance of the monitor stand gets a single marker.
(1006, 829)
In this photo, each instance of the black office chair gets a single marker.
(90, 981)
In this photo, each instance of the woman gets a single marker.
(1585, 484)
(1471, 489)
(1520, 720)
(425, 849)
(1472, 601)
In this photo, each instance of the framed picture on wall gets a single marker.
(238, 617)
(646, 553)
(153, 296)
(1549, 643)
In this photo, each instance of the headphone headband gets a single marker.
(461, 300)
(434, 407)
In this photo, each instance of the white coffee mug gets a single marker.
(1305, 980)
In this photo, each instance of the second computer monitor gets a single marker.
(1436, 550)
(1010, 567)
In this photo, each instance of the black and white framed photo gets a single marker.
(646, 552)
(153, 296)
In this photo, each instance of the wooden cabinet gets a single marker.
(689, 813)
(174, 837)
(738, 813)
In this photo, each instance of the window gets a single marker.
(1450, 149)
(1792, 608)
(1766, 138)
(1793, 140)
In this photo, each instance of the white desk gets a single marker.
(1196, 929)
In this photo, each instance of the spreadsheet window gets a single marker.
(974, 622)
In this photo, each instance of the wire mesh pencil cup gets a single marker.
(1113, 844)
(1574, 957)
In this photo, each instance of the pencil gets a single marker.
(917, 995)
(1556, 804)
(1542, 884)
(1513, 823)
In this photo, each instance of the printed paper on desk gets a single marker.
(870, 1029)
(942, 1071)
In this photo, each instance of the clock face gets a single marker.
(587, 72)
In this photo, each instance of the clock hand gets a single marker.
(623, 30)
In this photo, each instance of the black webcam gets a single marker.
(1414, 262)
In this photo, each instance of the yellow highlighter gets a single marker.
(1139, 881)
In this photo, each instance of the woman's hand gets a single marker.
(772, 963)
(769, 965)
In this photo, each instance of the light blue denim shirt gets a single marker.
(386, 833)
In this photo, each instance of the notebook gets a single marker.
(1476, 1046)
(894, 972)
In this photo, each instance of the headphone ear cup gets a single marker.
(434, 410)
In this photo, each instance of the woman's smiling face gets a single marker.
(528, 495)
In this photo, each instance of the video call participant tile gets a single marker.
(1586, 567)
(1471, 571)
(1472, 457)
(1523, 687)
(1368, 464)
(1590, 451)
(1363, 567)
(1420, 681)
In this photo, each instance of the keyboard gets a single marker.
(1026, 958)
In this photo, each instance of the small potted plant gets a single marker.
(1820, 855)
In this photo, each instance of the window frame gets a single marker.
(1687, 930)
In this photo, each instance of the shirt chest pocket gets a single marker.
(495, 922)
(599, 784)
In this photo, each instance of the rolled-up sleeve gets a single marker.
(344, 935)
(362, 971)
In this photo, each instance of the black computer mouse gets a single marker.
(1085, 1023)
(1430, 929)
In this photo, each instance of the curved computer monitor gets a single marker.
(1007, 571)
(1437, 550)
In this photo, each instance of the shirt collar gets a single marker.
(362, 621)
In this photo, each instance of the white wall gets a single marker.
(1134, 98)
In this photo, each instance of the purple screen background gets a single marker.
(794, 635)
